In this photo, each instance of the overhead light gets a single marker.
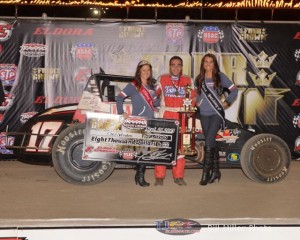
(96, 11)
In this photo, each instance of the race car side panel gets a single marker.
(231, 142)
(33, 142)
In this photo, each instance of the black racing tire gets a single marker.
(68, 163)
(265, 158)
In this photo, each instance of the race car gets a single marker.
(56, 137)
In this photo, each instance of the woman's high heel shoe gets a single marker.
(208, 158)
(205, 176)
(140, 176)
(216, 174)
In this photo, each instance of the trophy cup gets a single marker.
(187, 118)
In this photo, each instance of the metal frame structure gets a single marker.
(235, 13)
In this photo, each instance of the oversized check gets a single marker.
(110, 137)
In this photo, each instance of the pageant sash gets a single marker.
(215, 103)
(147, 96)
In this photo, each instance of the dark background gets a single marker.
(181, 13)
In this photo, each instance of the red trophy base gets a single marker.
(187, 133)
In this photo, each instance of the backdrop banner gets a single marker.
(47, 63)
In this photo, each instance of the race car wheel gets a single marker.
(68, 163)
(265, 158)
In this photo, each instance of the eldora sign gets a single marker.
(110, 137)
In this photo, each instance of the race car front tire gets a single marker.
(68, 162)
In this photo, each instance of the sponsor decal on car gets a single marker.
(222, 156)
(57, 100)
(8, 73)
(178, 226)
(228, 135)
(33, 50)
(233, 157)
(26, 116)
(5, 31)
(175, 33)
(210, 34)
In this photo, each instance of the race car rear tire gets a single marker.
(265, 158)
(68, 163)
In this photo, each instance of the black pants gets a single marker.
(210, 127)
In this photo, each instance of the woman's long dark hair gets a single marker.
(215, 74)
(137, 77)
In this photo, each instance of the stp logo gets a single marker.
(5, 31)
(8, 74)
(175, 32)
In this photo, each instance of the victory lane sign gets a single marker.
(110, 137)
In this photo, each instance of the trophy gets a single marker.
(187, 118)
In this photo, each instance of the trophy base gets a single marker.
(187, 152)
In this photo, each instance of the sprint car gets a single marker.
(56, 137)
